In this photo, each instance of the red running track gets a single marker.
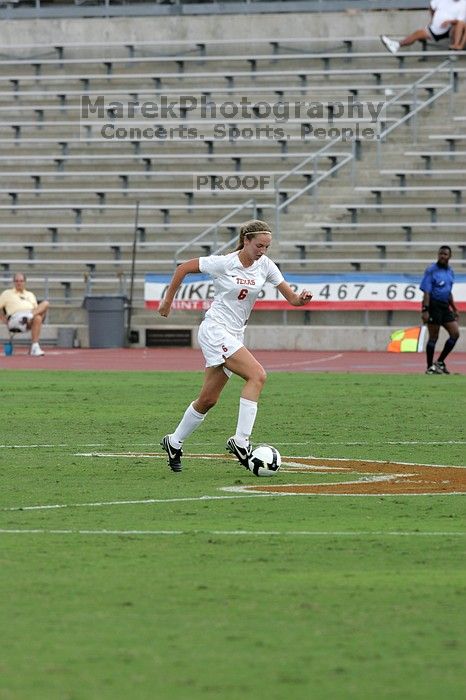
(186, 359)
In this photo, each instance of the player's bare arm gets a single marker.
(292, 298)
(186, 268)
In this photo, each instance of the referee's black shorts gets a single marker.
(440, 313)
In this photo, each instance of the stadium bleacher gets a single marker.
(68, 195)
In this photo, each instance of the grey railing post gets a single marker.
(315, 202)
(353, 162)
(451, 101)
(414, 122)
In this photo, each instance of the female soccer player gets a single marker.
(238, 279)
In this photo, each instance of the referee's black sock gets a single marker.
(430, 349)
(447, 348)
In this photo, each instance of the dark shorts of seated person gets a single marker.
(440, 313)
(438, 37)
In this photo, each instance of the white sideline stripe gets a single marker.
(326, 442)
(238, 533)
(305, 362)
(28, 447)
(152, 455)
(146, 501)
(393, 442)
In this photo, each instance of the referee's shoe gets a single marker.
(435, 369)
(174, 454)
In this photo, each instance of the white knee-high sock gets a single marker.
(187, 425)
(246, 418)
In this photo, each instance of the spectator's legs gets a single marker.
(36, 327)
(463, 36)
(458, 38)
(35, 324)
(418, 35)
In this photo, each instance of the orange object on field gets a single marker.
(408, 340)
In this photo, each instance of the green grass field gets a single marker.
(226, 595)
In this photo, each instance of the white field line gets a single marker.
(305, 362)
(162, 455)
(239, 491)
(286, 461)
(31, 447)
(395, 442)
(153, 455)
(238, 533)
(146, 501)
(236, 492)
(343, 443)
(321, 494)
(373, 478)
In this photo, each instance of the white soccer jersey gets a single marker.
(236, 288)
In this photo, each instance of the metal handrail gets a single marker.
(408, 88)
(350, 158)
(214, 227)
(279, 206)
(449, 87)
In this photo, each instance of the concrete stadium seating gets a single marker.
(68, 196)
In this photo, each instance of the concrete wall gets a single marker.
(316, 338)
(327, 338)
(356, 24)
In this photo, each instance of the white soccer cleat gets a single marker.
(390, 44)
(36, 350)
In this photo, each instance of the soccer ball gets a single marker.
(265, 460)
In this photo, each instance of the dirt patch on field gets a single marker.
(370, 478)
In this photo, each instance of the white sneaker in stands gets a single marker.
(36, 350)
(390, 44)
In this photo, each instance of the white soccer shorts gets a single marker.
(217, 344)
(17, 323)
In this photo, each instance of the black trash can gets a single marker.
(106, 320)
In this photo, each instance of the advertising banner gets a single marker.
(331, 292)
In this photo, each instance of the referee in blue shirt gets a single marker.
(438, 309)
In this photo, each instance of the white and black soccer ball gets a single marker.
(265, 460)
